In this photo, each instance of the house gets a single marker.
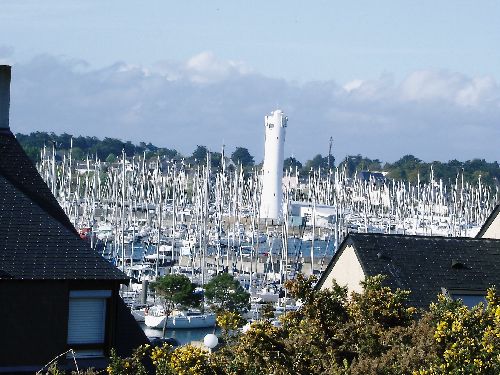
(426, 266)
(491, 227)
(375, 177)
(56, 293)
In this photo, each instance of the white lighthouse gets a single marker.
(271, 205)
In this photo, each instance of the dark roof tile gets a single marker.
(423, 264)
(36, 241)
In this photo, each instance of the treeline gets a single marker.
(108, 148)
(409, 167)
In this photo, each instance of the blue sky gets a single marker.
(182, 73)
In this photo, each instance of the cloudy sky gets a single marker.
(383, 78)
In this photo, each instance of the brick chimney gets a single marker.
(4, 96)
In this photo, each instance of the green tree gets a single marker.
(369, 333)
(176, 290)
(168, 153)
(408, 168)
(226, 293)
(111, 158)
(242, 156)
(355, 163)
(199, 155)
(216, 160)
(77, 153)
(291, 163)
(317, 162)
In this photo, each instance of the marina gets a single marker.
(151, 218)
(249, 188)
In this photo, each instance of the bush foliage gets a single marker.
(372, 332)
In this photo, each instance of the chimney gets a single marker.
(4, 96)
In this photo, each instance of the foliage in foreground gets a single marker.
(373, 332)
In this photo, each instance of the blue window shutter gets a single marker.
(87, 320)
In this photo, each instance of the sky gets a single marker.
(383, 78)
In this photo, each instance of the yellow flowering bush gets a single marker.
(128, 366)
(229, 321)
(161, 358)
(468, 339)
(372, 332)
(190, 360)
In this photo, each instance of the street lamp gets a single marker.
(211, 341)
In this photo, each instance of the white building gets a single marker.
(271, 206)
(324, 215)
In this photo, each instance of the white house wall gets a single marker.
(493, 230)
(347, 271)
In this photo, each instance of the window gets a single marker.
(470, 298)
(87, 321)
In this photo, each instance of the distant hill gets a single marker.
(106, 149)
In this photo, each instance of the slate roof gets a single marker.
(424, 264)
(18, 169)
(37, 240)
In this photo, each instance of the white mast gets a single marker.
(272, 172)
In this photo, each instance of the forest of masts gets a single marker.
(135, 195)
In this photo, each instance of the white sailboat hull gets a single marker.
(181, 322)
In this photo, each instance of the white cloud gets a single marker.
(353, 85)
(477, 92)
(206, 100)
(449, 87)
(204, 67)
(430, 85)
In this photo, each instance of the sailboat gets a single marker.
(185, 319)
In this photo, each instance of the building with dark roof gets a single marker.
(374, 177)
(426, 266)
(56, 293)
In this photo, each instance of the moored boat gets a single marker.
(155, 318)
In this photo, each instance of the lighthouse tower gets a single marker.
(271, 205)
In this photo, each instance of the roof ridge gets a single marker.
(419, 236)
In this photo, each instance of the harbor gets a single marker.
(158, 217)
(245, 188)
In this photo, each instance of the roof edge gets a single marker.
(488, 222)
